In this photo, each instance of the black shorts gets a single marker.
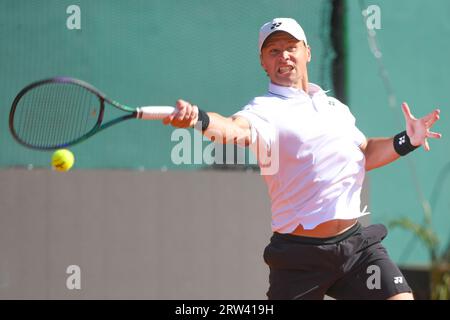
(352, 265)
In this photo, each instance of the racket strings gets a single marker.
(55, 114)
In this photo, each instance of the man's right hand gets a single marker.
(184, 116)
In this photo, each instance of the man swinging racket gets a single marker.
(318, 246)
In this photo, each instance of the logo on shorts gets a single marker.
(398, 280)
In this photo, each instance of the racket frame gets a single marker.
(132, 112)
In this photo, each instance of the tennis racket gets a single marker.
(61, 112)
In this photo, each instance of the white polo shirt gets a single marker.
(320, 165)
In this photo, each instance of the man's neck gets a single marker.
(303, 85)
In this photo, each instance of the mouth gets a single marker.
(285, 69)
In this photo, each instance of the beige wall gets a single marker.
(135, 235)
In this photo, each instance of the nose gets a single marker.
(284, 55)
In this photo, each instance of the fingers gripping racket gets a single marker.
(60, 112)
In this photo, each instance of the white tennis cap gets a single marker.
(281, 24)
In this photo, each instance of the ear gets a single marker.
(308, 52)
(261, 62)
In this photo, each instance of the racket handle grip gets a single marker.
(154, 112)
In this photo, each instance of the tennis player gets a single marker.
(318, 246)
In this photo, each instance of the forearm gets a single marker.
(212, 125)
(227, 130)
(379, 152)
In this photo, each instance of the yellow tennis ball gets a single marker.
(62, 160)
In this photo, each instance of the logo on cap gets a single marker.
(275, 25)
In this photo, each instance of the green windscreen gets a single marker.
(146, 53)
(412, 66)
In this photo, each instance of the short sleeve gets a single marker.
(260, 127)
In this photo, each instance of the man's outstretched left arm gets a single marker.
(382, 151)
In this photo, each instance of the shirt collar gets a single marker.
(291, 92)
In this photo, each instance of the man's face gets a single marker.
(285, 58)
